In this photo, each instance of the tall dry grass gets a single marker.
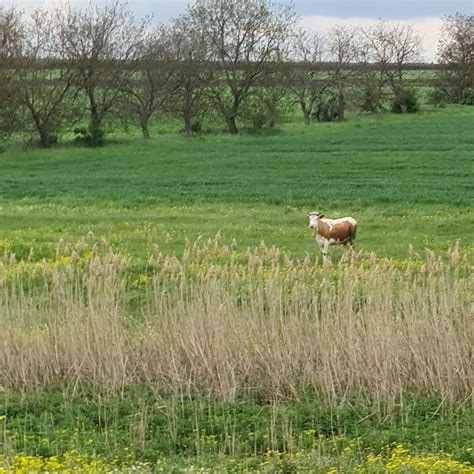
(229, 324)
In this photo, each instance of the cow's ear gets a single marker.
(321, 216)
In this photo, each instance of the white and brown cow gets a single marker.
(332, 231)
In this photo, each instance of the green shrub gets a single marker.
(326, 111)
(405, 102)
(89, 136)
(196, 126)
(468, 97)
(263, 108)
(370, 101)
(438, 96)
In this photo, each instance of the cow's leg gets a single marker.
(321, 247)
(324, 249)
(321, 243)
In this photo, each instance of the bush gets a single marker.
(263, 108)
(438, 96)
(468, 97)
(53, 138)
(371, 100)
(405, 102)
(443, 95)
(255, 113)
(325, 111)
(89, 136)
(196, 126)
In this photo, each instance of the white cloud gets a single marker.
(429, 27)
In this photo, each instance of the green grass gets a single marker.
(202, 431)
(420, 160)
(406, 179)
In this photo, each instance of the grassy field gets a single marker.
(407, 180)
(129, 343)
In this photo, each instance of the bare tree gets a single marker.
(45, 92)
(11, 33)
(343, 52)
(391, 48)
(307, 79)
(372, 79)
(104, 44)
(406, 47)
(11, 43)
(172, 75)
(192, 74)
(150, 88)
(242, 35)
(456, 54)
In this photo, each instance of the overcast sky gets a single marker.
(424, 15)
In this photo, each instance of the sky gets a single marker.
(319, 15)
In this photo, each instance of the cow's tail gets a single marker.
(353, 234)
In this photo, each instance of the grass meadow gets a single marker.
(164, 308)
(407, 180)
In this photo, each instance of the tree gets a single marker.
(153, 83)
(372, 79)
(45, 88)
(11, 40)
(104, 45)
(456, 54)
(390, 48)
(307, 79)
(192, 74)
(242, 36)
(342, 45)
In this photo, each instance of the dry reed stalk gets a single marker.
(259, 325)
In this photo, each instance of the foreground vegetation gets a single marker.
(146, 327)
(135, 431)
(246, 360)
(228, 324)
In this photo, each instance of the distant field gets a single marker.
(407, 180)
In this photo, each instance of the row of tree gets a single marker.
(233, 58)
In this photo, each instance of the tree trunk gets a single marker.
(188, 107)
(341, 108)
(42, 129)
(145, 129)
(188, 128)
(45, 138)
(306, 112)
(95, 130)
(272, 120)
(232, 114)
(272, 114)
(231, 125)
(400, 98)
(341, 113)
(95, 119)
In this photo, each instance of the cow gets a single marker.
(332, 231)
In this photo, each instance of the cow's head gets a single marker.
(313, 219)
